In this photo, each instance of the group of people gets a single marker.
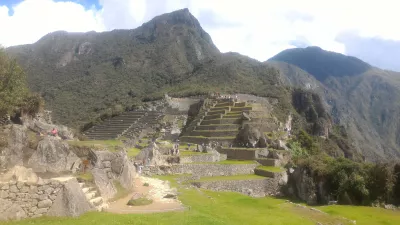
(219, 96)
(175, 149)
(53, 132)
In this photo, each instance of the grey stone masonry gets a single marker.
(33, 199)
(252, 187)
(203, 170)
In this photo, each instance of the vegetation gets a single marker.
(270, 168)
(14, 94)
(140, 201)
(218, 208)
(86, 177)
(236, 177)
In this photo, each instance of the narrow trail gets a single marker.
(156, 190)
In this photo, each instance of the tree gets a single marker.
(13, 87)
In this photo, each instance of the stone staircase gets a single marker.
(93, 196)
(127, 124)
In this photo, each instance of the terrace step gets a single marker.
(200, 140)
(214, 133)
(218, 127)
(268, 171)
(242, 153)
(221, 121)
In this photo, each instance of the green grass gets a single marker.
(228, 162)
(270, 168)
(189, 153)
(236, 177)
(109, 144)
(220, 208)
(87, 177)
(132, 152)
(364, 215)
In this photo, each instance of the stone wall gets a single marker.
(251, 187)
(205, 157)
(19, 200)
(203, 170)
(244, 154)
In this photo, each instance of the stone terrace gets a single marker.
(127, 124)
(220, 123)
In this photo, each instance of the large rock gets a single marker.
(40, 125)
(53, 155)
(11, 211)
(71, 201)
(127, 177)
(302, 185)
(20, 173)
(103, 183)
(14, 152)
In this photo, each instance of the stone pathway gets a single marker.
(156, 190)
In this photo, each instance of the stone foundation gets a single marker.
(202, 170)
(20, 200)
(251, 187)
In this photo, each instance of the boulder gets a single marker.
(127, 177)
(20, 173)
(103, 183)
(14, 152)
(70, 201)
(11, 211)
(52, 155)
(40, 125)
(117, 165)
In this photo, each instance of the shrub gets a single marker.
(146, 184)
(140, 201)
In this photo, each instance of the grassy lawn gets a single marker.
(189, 153)
(217, 208)
(270, 168)
(364, 215)
(87, 177)
(228, 162)
(236, 177)
(132, 152)
(109, 144)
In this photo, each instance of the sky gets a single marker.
(256, 28)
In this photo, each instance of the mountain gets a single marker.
(362, 98)
(83, 76)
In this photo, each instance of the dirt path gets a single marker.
(156, 190)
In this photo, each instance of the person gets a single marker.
(54, 132)
(188, 146)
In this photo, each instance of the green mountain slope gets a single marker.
(84, 75)
(366, 100)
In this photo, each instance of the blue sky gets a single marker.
(87, 3)
(256, 28)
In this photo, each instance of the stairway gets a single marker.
(93, 197)
(127, 124)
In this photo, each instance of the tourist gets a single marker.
(188, 146)
(54, 132)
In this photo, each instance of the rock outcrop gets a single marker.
(21, 174)
(70, 201)
(14, 152)
(109, 168)
(304, 186)
(53, 155)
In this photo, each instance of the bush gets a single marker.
(146, 184)
(140, 201)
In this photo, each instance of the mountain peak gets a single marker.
(321, 63)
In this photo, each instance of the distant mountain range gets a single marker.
(365, 99)
(85, 75)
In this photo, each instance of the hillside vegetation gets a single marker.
(84, 75)
(363, 99)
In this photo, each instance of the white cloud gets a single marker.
(260, 28)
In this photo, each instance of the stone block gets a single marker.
(14, 189)
(41, 211)
(24, 189)
(12, 195)
(107, 164)
(45, 204)
(32, 189)
(43, 197)
(33, 209)
(3, 194)
(49, 190)
(5, 187)
(20, 184)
